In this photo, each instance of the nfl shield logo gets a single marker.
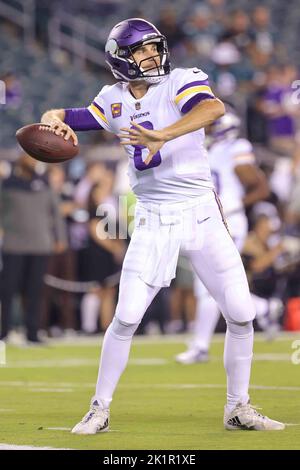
(137, 106)
(116, 110)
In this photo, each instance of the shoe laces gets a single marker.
(90, 413)
(252, 410)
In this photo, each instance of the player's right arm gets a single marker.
(255, 183)
(55, 118)
(251, 177)
(67, 121)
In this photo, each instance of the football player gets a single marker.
(159, 116)
(239, 184)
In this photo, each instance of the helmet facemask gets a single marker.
(161, 63)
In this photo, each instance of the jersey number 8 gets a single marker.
(137, 157)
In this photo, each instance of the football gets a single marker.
(42, 144)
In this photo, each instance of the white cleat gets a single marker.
(96, 420)
(246, 417)
(192, 356)
(276, 309)
(269, 322)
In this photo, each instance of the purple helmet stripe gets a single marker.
(99, 107)
(195, 100)
(189, 85)
(223, 131)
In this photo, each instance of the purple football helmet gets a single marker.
(226, 127)
(127, 36)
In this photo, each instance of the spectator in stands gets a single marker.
(61, 263)
(231, 71)
(256, 120)
(96, 172)
(182, 298)
(279, 109)
(218, 9)
(13, 89)
(201, 32)
(292, 213)
(264, 37)
(28, 241)
(103, 256)
(238, 32)
(170, 27)
(260, 255)
(5, 170)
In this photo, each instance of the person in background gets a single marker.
(262, 249)
(32, 229)
(240, 184)
(104, 256)
(61, 263)
(238, 32)
(13, 89)
(280, 110)
(96, 173)
(182, 298)
(264, 38)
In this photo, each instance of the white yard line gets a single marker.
(15, 447)
(161, 339)
(273, 357)
(79, 362)
(61, 386)
(58, 429)
(155, 361)
(20, 383)
(51, 390)
(51, 363)
(210, 386)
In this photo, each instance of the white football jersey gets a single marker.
(180, 170)
(224, 157)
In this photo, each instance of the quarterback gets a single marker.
(159, 115)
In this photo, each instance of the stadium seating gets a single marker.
(77, 85)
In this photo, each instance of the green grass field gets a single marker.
(158, 405)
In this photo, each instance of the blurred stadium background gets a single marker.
(52, 56)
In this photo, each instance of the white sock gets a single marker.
(90, 306)
(114, 358)
(207, 316)
(238, 353)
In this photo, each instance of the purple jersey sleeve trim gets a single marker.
(99, 107)
(80, 119)
(195, 100)
(191, 84)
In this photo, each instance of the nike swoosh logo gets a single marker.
(201, 221)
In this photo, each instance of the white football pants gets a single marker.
(198, 229)
(207, 310)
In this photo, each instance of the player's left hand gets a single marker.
(139, 135)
